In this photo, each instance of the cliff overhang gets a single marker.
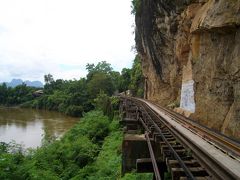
(190, 54)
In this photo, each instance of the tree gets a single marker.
(16, 95)
(125, 79)
(3, 93)
(102, 67)
(103, 103)
(48, 78)
(101, 78)
(100, 82)
(49, 84)
(115, 76)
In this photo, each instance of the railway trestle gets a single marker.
(151, 144)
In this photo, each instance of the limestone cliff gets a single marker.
(190, 52)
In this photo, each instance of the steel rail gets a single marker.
(210, 164)
(154, 162)
(144, 125)
(152, 156)
(182, 164)
(229, 145)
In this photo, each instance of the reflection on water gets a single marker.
(29, 126)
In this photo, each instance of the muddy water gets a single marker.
(29, 127)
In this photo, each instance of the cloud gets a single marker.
(40, 36)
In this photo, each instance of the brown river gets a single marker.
(28, 126)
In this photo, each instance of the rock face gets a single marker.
(190, 52)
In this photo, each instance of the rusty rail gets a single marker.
(186, 170)
(231, 146)
(153, 123)
(154, 162)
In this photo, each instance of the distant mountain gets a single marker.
(34, 83)
(16, 82)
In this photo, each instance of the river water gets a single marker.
(28, 126)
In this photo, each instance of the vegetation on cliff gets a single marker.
(132, 79)
(136, 6)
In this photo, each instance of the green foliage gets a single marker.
(136, 5)
(136, 176)
(75, 97)
(125, 79)
(94, 125)
(115, 103)
(103, 103)
(48, 78)
(69, 97)
(10, 156)
(73, 110)
(132, 79)
(109, 159)
(14, 96)
(115, 77)
(102, 78)
(108, 105)
(100, 82)
(90, 150)
(174, 104)
(101, 67)
(108, 163)
(62, 159)
(137, 80)
(3, 93)
(55, 99)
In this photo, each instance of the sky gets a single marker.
(60, 37)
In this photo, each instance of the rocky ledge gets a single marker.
(190, 52)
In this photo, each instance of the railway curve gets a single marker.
(189, 150)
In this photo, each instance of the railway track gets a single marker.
(191, 151)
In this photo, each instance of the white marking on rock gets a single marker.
(187, 96)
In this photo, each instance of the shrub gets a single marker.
(11, 156)
(94, 125)
(75, 111)
(79, 154)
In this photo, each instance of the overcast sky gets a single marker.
(61, 36)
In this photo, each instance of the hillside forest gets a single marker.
(74, 97)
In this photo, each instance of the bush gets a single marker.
(63, 158)
(108, 162)
(80, 154)
(94, 125)
(103, 103)
(75, 111)
(137, 176)
(11, 156)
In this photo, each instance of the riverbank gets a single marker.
(5, 106)
(30, 126)
(89, 150)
